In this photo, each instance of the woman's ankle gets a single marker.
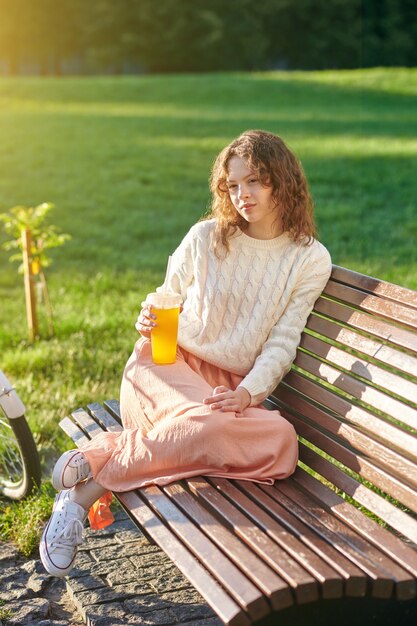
(85, 494)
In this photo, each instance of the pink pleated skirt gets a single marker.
(169, 433)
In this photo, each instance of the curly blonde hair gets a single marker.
(275, 164)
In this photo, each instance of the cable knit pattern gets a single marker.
(246, 312)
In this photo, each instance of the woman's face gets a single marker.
(252, 200)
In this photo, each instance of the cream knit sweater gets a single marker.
(245, 313)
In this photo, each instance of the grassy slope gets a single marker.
(126, 162)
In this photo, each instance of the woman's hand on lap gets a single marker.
(146, 320)
(225, 399)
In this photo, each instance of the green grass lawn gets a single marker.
(126, 162)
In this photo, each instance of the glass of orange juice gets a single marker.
(166, 307)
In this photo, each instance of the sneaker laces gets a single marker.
(69, 537)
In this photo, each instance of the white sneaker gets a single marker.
(62, 535)
(71, 468)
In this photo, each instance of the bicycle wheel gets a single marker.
(20, 469)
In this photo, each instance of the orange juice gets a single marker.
(164, 335)
(166, 307)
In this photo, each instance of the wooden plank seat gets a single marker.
(341, 533)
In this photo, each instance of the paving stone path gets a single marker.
(119, 579)
(28, 595)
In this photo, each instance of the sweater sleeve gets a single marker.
(182, 266)
(280, 348)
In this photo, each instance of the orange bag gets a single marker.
(100, 514)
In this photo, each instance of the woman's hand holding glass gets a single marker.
(146, 320)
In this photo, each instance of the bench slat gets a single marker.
(377, 430)
(355, 580)
(380, 506)
(343, 442)
(88, 425)
(374, 375)
(315, 491)
(381, 308)
(226, 608)
(264, 577)
(331, 583)
(375, 534)
(113, 407)
(367, 323)
(104, 418)
(355, 387)
(405, 555)
(248, 500)
(338, 534)
(302, 583)
(366, 469)
(230, 577)
(73, 431)
(387, 355)
(378, 287)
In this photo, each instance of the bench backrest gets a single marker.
(352, 397)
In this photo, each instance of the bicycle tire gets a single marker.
(20, 468)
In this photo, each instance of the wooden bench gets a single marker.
(338, 540)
